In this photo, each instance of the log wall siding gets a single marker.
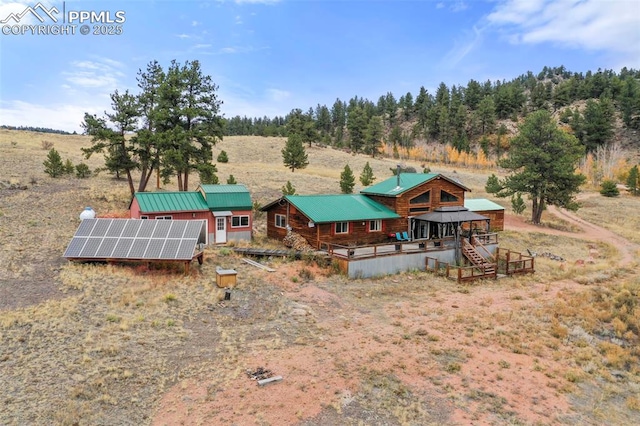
(496, 219)
(325, 232)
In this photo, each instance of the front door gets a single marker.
(221, 230)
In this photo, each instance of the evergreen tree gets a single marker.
(288, 189)
(53, 165)
(357, 125)
(347, 180)
(207, 174)
(367, 177)
(493, 185)
(486, 115)
(633, 181)
(608, 188)
(82, 171)
(69, 168)
(517, 203)
(294, 155)
(373, 136)
(597, 125)
(223, 157)
(231, 180)
(542, 159)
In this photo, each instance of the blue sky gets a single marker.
(270, 56)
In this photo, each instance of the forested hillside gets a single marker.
(598, 107)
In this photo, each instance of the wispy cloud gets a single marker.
(183, 36)
(195, 23)
(238, 20)
(458, 6)
(278, 95)
(469, 41)
(102, 73)
(585, 24)
(200, 46)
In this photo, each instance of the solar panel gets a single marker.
(84, 230)
(131, 228)
(177, 229)
(146, 229)
(170, 249)
(122, 248)
(115, 230)
(138, 248)
(154, 249)
(106, 248)
(100, 229)
(162, 228)
(90, 248)
(187, 247)
(75, 246)
(193, 229)
(136, 239)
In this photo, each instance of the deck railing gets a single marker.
(513, 262)
(460, 273)
(352, 252)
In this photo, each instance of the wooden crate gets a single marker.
(226, 278)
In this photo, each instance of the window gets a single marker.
(375, 225)
(144, 217)
(342, 227)
(239, 221)
(281, 221)
(421, 199)
(164, 217)
(447, 197)
(418, 209)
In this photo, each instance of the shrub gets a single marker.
(82, 171)
(231, 180)
(288, 189)
(493, 185)
(517, 203)
(609, 189)
(53, 165)
(46, 145)
(222, 157)
(69, 168)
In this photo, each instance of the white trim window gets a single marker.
(164, 217)
(281, 221)
(342, 227)
(144, 217)
(375, 225)
(239, 221)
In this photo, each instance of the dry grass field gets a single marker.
(129, 345)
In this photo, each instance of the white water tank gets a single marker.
(87, 213)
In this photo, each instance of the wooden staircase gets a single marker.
(477, 260)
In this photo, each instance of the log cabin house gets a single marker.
(395, 225)
(378, 213)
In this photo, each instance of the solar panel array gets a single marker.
(136, 239)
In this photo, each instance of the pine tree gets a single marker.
(633, 181)
(222, 157)
(231, 180)
(82, 171)
(493, 185)
(207, 173)
(517, 203)
(69, 168)
(288, 189)
(347, 180)
(53, 165)
(609, 189)
(367, 177)
(373, 136)
(293, 154)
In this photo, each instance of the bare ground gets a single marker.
(98, 344)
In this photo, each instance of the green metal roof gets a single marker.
(162, 202)
(390, 187)
(340, 208)
(227, 197)
(481, 204)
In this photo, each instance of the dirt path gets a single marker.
(589, 231)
